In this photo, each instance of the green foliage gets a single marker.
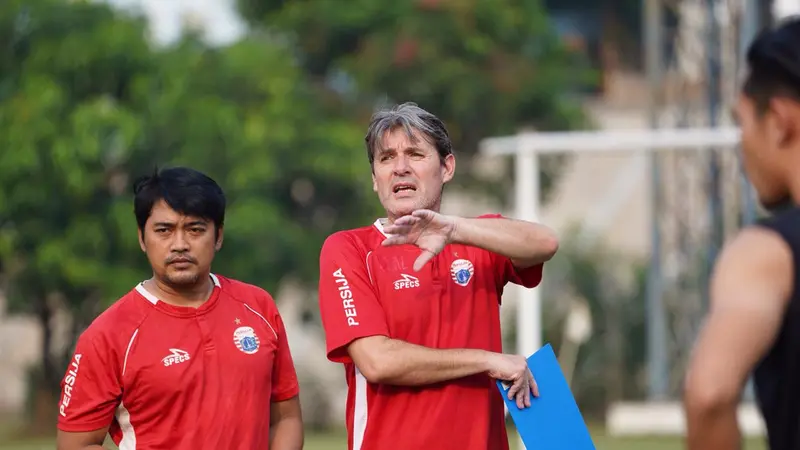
(611, 364)
(291, 168)
(86, 105)
(486, 67)
(67, 129)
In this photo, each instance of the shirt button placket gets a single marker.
(205, 333)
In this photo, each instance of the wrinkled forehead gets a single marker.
(400, 137)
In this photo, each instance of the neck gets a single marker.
(436, 207)
(192, 295)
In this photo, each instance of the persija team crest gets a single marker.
(462, 270)
(246, 340)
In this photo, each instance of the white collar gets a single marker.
(153, 299)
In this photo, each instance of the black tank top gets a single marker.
(777, 376)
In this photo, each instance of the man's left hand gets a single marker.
(428, 230)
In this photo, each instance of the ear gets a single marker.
(220, 236)
(784, 128)
(448, 168)
(140, 233)
(374, 182)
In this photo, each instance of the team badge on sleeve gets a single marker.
(246, 340)
(462, 270)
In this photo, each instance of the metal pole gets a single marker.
(751, 22)
(529, 326)
(656, 315)
(529, 316)
(714, 100)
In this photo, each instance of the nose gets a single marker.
(401, 166)
(179, 242)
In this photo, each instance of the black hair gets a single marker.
(185, 190)
(773, 60)
(411, 117)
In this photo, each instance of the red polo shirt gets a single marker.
(366, 289)
(163, 376)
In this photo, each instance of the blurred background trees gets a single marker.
(88, 103)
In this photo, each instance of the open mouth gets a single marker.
(403, 187)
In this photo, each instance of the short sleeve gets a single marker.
(348, 304)
(284, 376)
(529, 277)
(91, 388)
(505, 271)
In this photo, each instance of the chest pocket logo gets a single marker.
(462, 271)
(406, 282)
(246, 340)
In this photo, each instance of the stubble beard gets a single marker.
(182, 280)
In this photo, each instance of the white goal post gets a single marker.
(526, 148)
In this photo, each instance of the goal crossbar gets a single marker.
(610, 140)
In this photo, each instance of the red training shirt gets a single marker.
(366, 289)
(163, 376)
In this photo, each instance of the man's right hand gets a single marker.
(514, 370)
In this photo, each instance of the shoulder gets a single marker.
(359, 240)
(756, 246)
(757, 256)
(248, 294)
(114, 326)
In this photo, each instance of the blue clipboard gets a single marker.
(553, 421)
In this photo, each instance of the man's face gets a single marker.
(180, 248)
(763, 152)
(407, 173)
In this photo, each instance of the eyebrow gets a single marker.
(409, 148)
(189, 224)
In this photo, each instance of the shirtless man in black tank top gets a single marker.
(754, 320)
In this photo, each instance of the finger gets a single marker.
(527, 396)
(512, 391)
(397, 229)
(520, 398)
(534, 386)
(395, 240)
(422, 259)
(423, 214)
(406, 220)
(516, 386)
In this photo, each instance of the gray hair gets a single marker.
(411, 117)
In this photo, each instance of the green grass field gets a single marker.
(338, 441)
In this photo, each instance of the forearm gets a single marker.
(525, 242)
(717, 429)
(401, 363)
(286, 434)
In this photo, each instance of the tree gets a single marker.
(293, 171)
(67, 126)
(486, 67)
(86, 104)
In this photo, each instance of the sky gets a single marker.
(218, 17)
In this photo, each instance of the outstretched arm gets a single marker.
(526, 244)
(750, 289)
